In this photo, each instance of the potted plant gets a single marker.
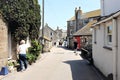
(10, 66)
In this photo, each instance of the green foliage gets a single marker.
(33, 51)
(30, 58)
(22, 16)
(10, 64)
(35, 48)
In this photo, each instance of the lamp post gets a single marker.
(42, 25)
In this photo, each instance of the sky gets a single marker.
(57, 12)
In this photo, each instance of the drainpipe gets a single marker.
(115, 48)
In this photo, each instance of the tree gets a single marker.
(23, 17)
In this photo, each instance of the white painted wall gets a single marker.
(103, 58)
(109, 6)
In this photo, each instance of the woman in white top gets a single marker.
(22, 49)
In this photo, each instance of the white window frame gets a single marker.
(71, 32)
(108, 36)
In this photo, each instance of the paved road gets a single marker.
(59, 64)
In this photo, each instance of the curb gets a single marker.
(98, 73)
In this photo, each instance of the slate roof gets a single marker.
(88, 14)
(72, 18)
(85, 31)
(91, 14)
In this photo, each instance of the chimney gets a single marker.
(75, 10)
(57, 28)
(79, 8)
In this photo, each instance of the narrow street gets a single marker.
(59, 64)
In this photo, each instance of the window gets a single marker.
(71, 32)
(108, 37)
(94, 35)
(51, 33)
(71, 23)
(109, 34)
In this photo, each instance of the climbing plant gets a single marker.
(23, 17)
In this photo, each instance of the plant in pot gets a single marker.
(10, 66)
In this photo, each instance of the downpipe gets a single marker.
(115, 48)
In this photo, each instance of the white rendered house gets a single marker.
(106, 40)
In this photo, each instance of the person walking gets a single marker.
(22, 49)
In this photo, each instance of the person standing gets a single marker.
(75, 45)
(22, 49)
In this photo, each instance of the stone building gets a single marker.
(77, 22)
(3, 42)
(50, 37)
(73, 25)
(61, 35)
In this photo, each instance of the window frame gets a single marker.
(71, 32)
(108, 35)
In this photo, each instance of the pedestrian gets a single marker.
(54, 43)
(75, 45)
(22, 49)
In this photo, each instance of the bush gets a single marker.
(30, 58)
(33, 51)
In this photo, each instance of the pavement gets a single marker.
(58, 64)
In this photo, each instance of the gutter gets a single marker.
(107, 19)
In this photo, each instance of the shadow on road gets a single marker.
(81, 70)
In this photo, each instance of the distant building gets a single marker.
(73, 25)
(77, 22)
(85, 33)
(61, 35)
(64, 34)
(50, 37)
